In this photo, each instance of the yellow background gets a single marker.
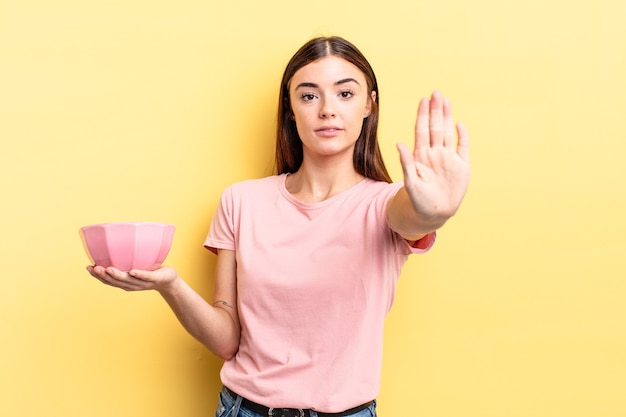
(146, 110)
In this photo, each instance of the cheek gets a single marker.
(359, 115)
(300, 125)
(302, 117)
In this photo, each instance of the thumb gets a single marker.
(407, 162)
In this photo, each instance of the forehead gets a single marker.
(328, 69)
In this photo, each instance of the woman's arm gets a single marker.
(436, 173)
(215, 325)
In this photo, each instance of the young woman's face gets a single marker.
(329, 99)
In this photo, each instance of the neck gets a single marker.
(315, 182)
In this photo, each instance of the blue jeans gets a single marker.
(231, 407)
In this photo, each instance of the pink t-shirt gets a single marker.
(315, 282)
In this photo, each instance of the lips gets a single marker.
(328, 130)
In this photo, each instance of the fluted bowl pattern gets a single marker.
(128, 245)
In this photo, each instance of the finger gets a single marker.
(436, 126)
(96, 271)
(422, 134)
(142, 275)
(408, 163)
(463, 145)
(448, 124)
(101, 275)
(116, 273)
(123, 280)
(115, 278)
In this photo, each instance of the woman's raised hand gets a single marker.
(437, 172)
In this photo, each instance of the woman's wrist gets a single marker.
(172, 288)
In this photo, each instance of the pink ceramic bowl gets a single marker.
(127, 246)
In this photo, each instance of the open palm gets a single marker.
(437, 172)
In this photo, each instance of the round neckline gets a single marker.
(319, 204)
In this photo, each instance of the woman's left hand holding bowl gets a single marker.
(135, 280)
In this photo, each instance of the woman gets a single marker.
(308, 259)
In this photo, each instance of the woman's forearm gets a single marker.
(214, 326)
(407, 222)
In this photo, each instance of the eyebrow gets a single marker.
(340, 82)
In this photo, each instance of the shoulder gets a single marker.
(254, 186)
(382, 186)
(381, 190)
(247, 194)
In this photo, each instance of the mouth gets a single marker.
(328, 130)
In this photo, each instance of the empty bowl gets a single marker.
(126, 246)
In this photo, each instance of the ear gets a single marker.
(370, 101)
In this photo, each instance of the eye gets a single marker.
(346, 93)
(308, 96)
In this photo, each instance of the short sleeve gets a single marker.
(222, 231)
(424, 244)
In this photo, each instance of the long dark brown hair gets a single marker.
(367, 158)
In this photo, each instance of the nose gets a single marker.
(327, 110)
